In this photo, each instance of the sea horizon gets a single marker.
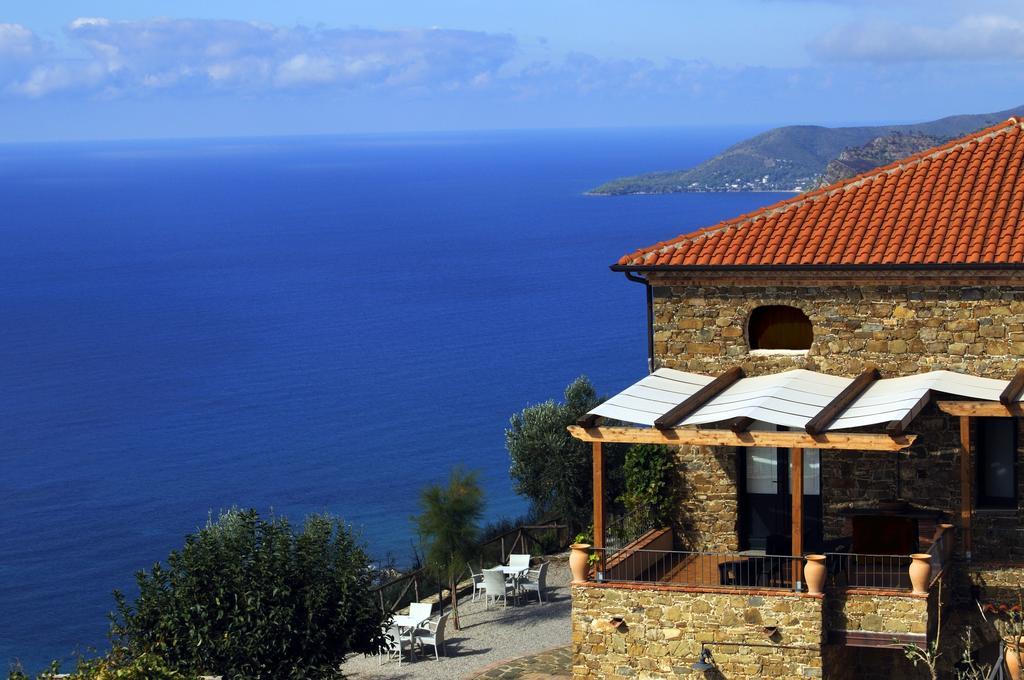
(301, 326)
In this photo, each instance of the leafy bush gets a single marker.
(650, 497)
(549, 466)
(117, 665)
(251, 598)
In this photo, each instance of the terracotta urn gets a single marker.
(1012, 658)
(947, 537)
(920, 572)
(814, 573)
(578, 559)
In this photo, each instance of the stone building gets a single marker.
(909, 277)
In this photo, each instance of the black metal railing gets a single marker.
(882, 572)
(622, 530)
(699, 569)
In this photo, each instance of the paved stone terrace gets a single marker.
(512, 640)
(553, 663)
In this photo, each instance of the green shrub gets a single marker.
(251, 598)
(650, 497)
(117, 665)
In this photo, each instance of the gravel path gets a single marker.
(487, 637)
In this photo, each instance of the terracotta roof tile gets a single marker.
(960, 203)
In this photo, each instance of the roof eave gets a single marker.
(988, 266)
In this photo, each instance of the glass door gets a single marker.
(765, 498)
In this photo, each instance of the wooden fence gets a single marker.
(535, 539)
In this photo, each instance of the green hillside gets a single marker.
(791, 158)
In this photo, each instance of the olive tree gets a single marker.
(549, 466)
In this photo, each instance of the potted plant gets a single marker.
(1009, 621)
(579, 558)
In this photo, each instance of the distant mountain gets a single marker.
(879, 151)
(791, 158)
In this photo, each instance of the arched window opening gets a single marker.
(779, 327)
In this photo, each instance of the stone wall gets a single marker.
(662, 631)
(927, 474)
(996, 583)
(862, 610)
(903, 329)
(708, 508)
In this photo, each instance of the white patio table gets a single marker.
(515, 572)
(411, 623)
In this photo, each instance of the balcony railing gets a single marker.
(883, 572)
(698, 569)
(751, 569)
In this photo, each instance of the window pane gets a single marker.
(812, 473)
(997, 457)
(762, 470)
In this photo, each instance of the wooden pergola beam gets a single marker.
(683, 409)
(1013, 390)
(796, 535)
(598, 491)
(966, 484)
(741, 424)
(896, 428)
(690, 436)
(832, 410)
(985, 409)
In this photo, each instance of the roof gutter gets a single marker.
(650, 317)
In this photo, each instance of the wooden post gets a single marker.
(796, 472)
(966, 484)
(599, 502)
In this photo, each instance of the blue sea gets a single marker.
(296, 325)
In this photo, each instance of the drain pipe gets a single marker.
(650, 318)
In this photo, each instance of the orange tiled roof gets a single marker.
(957, 204)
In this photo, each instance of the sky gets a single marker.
(106, 69)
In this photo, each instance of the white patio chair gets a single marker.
(420, 611)
(395, 642)
(496, 587)
(478, 580)
(534, 581)
(519, 560)
(432, 633)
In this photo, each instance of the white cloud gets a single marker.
(987, 37)
(19, 43)
(47, 79)
(134, 57)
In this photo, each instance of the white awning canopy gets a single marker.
(791, 398)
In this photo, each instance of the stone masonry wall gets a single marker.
(902, 329)
(662, 633)
(996, 583)
(876, 613)
(708, 507)
(927, 474)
